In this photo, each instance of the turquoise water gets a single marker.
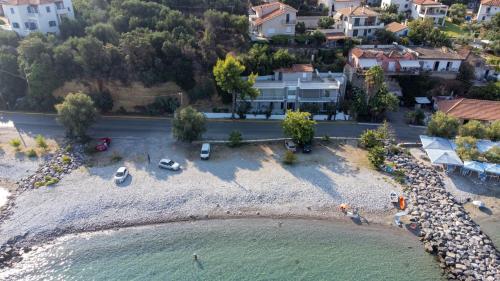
(250, 249)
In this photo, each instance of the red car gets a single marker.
(103, 144)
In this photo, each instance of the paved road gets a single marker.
(33, 124)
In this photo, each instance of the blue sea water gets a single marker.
(240, 249)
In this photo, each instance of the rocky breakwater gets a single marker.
(446, 229)
(50, 172)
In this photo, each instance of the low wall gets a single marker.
(310, 21)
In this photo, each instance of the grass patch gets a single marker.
(48, 180)
(31, 153)
(57, 168)
(15, 143)
(66, 159)
(41, 142)
(115, 157)
(452, 30)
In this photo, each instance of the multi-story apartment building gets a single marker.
(335, 5)
(26, 16)
(403, 5)
(359, 21)
(425, 9)
(400, 60)
(487, 10)
(291, 88)
(272, 19)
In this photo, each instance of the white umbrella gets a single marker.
(448, 158)
(474, 166)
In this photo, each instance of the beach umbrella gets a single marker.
(492, 168)
(474, 166)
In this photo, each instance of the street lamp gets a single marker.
(180, 94)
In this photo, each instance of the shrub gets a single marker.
(16, 143)
(40, 142)
(48, 180)
(31, 153)
(466, 148)
(376, 156)
(415, 117)
(290, 158)
(299, 126)
(399, 176)
(472, 129)
(235, 139)
(493, 155)
(442, 125)
(115, 157)
(103, 100)
(369, 139)
(280, 39)
(66, 159)
(162, 105)
(77, 113)
(68, 148)
(188, 124)
(57, 168)
(493, 131)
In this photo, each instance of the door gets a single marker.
(436, 66)
(448, 66)
(290, 106)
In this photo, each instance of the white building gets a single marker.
(359, 21)
(424, 9)
(291, 88)
(272, 19)
(403, 5)
(487, 10)
(400, 30)
(335, 5)
(26, 16)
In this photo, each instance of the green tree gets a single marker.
(188, 124)
(299, 126)
(424, 32)
(376, 156)
(8, 38)
(300, 27)
(473, 129)
(359, 105)
(385, 36)
(76, 113)
(489, 92)
(382, 102)
(374, 78)
(104, 32)
(465, 72)
(493, 131)
(467, 148)
(227, 74)
(457, 13)
(442, 125)
(282, 58)
(235, 138)
(12, 83)
(325, 22)
(370, 139)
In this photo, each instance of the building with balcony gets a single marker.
(335, 5)
(26, 16)
(272, 19)
(429, 9)
(291, 88)
(403, 5)
(400, 60)
(359, 21)
(487, 10)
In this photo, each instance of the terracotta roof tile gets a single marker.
(490, 2)
(358, 11)
(26, 2)
(471, 109)
(395, 27)
(280, 9)
(298, 68)
(426, 2)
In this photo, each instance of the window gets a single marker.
(12, 11)
(47, 9)
(287, 18)
(406, 6)
(355, 33)
(30, 25)
(356, 22)
(15, 25)
(32, 9)
(59, 5)
(369, 30)
(52, 23)
(288, 29)
(484, 17)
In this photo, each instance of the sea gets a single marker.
(233, 249)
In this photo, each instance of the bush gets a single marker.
(16, 143)
(115, 157)
(442, 125)
(299, 126)
(493, 131)
(473, 129)
(370, 139)
(376, 156)
(235, 139)
(493, 155)
(77, 113)
(103, 100)
(66, 159)
(31, 153)
(280, 39)
(290, 158)
(48, 180)
(415, 117)
(188, 124)
(162, 105)
(202, 90)
(466, 148)
(399, 176)
(40, 142)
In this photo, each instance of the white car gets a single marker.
(290, 146)
(169, 165)
(205, 151)
(121, 174)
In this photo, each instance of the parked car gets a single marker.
(103, 144)
(169, 165)
(121, 174)
(307, 148)
(290, 146)
(205, 151)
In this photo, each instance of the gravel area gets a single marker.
(246, 181)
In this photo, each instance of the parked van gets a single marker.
(205, 151)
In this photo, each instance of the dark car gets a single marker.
(307, 148)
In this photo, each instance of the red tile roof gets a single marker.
(26, 2)
(358, 11)
(297, 68)
(281, 9)
(426, 2)
(395, 27)
(490, 2)
(471, 109)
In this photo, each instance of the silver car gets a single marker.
(169, 165)
(121, 174)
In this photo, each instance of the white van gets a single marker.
(205, 151)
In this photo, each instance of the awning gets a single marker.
(485, 145)
(446, 157)
(492, 168)
(435, 143)
(367, 63)
(474, 166)
(409, 64)
(422, 100)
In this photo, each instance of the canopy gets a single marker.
(367, 63)
(492, 168)
(422, 100)
(485, 145)
(447, 157)
(409, 63)
(435, 143)
(474, 166)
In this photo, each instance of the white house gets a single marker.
(335, 5)
(487, 10)
(272, 19)
(424, 9)
(400, 30)
(291, 88)
(359, 21)
(403, 5)
(26, 16)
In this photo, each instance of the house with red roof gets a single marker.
(272, 19)
(487, 10)
(429, 9)
(471, 109)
